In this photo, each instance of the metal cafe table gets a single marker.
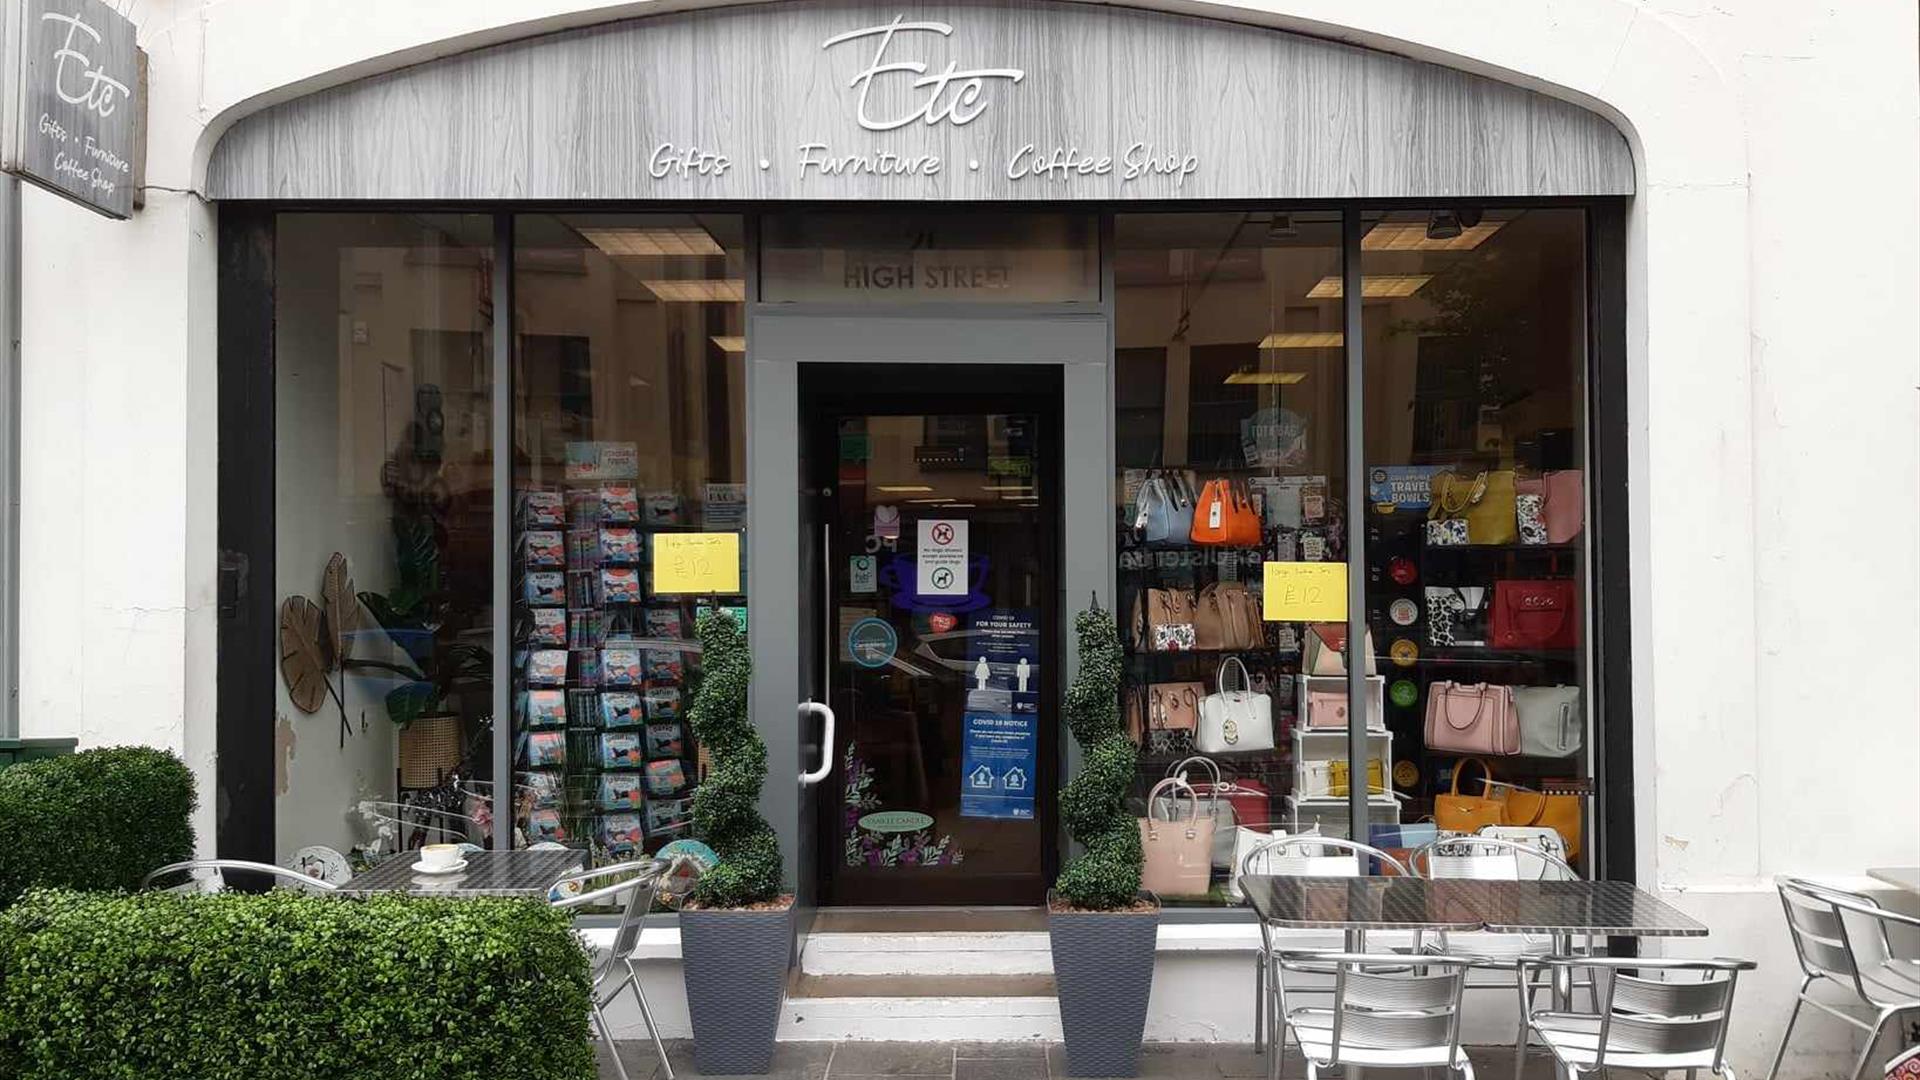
(527, 873)
(1563, 909)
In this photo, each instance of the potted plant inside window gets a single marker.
(1101, 926)
(736, 931)
(415, 614)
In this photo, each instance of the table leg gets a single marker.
(1563, 977)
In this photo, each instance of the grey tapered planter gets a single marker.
(735, 964)
(1103, 965)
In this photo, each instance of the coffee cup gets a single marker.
(439, 856)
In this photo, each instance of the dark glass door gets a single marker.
(940, 515)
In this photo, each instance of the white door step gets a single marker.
(813, 987)
(928, 953)
(934, 1018)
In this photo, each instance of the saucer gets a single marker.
(450, 868)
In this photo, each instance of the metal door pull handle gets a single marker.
(812, 708)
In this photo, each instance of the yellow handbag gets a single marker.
(1454, 812)
(1485, 503)
(1337, 777)
(1561, 813)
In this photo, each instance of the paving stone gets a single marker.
(851, 1059)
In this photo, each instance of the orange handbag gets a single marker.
(1213, 514)
(1243, 524)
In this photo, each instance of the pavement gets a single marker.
(994, 1061)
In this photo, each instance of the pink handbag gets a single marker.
(1327, 709)
(1563, 497)
(1179, 853)
(1477, 718)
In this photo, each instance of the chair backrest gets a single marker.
(1488, 858)
(1306, 856)
(1649, 1005)
(1673, 1015)
(1380, 1004)
(1819, 930)
(216, 881)
(641, 887)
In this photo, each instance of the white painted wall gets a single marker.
(1775, 384)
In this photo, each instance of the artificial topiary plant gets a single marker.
(1107, 875)
(726, 807)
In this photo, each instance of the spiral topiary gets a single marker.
(1107, 874)
(726, 807)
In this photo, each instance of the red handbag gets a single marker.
(1534, 615)
(1251, 801)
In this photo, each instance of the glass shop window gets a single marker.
(1230, 440)
(1477, 548)
(383, 390)
(629, 443)
(1231, 431)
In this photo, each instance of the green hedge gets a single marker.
(99, 819)
(289, 986)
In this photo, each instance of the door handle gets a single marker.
(812, 708)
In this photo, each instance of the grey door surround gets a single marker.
(779, 343)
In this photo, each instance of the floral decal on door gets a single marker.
(867, 847)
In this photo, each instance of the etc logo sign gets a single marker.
(951, 96)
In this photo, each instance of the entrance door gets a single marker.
(937, 503)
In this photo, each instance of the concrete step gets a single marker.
(978, 1008)
(929, 953)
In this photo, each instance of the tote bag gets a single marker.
(1214, 804)
(1325, 650)
(1153, 512)
(1234, 721)
(1534, 615)
(1212, 514)
(1455, 812)
(1179, 853)
(1551, 723)
(1485, 502)
(1221, 617)
(1472, 718)
(1174, 706)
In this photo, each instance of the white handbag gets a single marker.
(1551, 723)
(1246, 842)
(1234, 721)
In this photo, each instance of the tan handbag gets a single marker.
(1485, 502)
(1454, 812)
(1163, 621)
(1174, 706)
(1220, 617)
(1179, 853)
(1561, 813)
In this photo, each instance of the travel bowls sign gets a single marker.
(1101, 926)
(736, 935)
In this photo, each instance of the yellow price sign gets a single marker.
(1304, 592)
(696, 563)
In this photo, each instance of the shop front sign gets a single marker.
(970, 100)
(72, 85)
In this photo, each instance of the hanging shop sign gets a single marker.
(74, 100)
(974, 100)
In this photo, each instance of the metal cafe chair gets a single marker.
(1290, 856)
(216, 882)
(1489, 858)
(1883, 985)
(613, 968)
(1639, 1022)
(1383, 1014)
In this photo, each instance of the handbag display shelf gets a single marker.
(1312, 804)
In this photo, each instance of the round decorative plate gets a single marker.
(1404, 652)
(1403, 693)
(1402, 571)
(323, 864)
(1405, 774)
(1403, 612)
